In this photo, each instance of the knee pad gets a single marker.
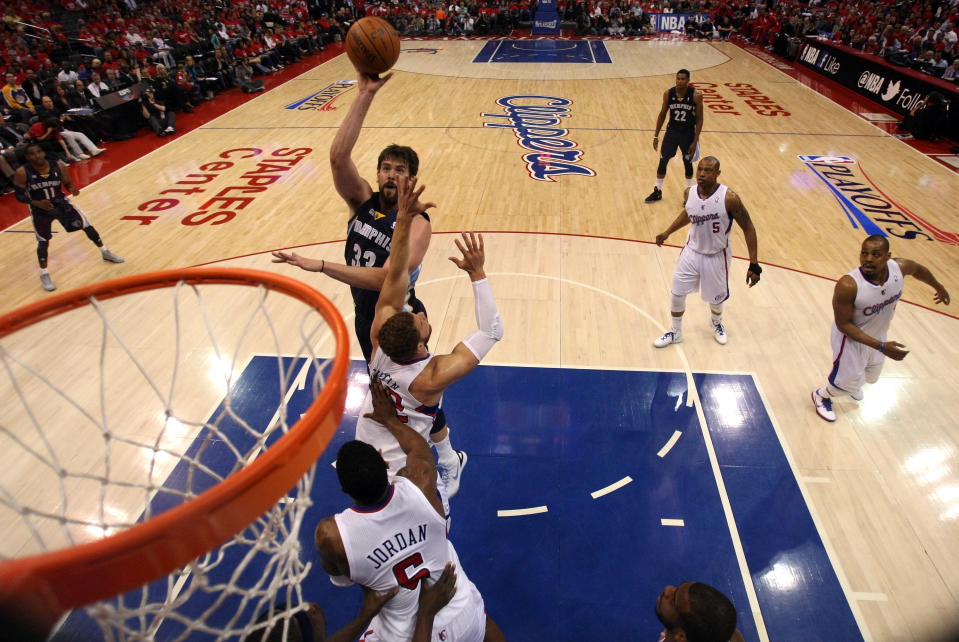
(677, 303)
(661, 168)
(42, 247)
(688, 166)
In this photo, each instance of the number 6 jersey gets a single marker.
(402, 542)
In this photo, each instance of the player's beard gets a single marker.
(388, 200)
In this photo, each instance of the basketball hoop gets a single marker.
(257, 498)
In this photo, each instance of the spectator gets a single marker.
(952, 71)
(76, 141)
(926, 121)
(17, 100)
(244, 77)
(162, 120)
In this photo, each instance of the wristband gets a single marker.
(755, 268)
(322, 265)
(882, 346)
(655, 137)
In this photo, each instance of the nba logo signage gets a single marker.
(669, 21)
(866, 207)
(536, 120)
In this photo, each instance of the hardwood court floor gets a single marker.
(577, 279)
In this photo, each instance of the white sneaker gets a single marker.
(168, 130)
(823, 406)
(669, 337)
(111, 257)
(451, 476)
(84, 156)
(719, 333)
(47, 283)
(97, 151)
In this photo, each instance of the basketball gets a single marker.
(372, 45)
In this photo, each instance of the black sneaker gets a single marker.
(657, 195)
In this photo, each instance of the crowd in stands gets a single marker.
(62, 60)
(62, 64)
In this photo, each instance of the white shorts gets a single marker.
(469, 625)
(708, 273)
(853, 364)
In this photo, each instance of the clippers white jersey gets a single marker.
(397, 378)
(709, 222)
(875, 304)
(402, 542)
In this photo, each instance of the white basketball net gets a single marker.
(106, 404)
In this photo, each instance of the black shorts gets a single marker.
(62, 211)
(673, 140)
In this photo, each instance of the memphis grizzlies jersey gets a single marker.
(368, 238)
(876, 304)
(44, 186)
(397, 377)
(709, 222)
(682, 111)
(401, 542)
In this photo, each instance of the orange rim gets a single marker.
(46, 585)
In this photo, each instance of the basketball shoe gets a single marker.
(669, 337)
(823, 406)
(719, 332)
(46, 282)
(110, 256)
(451, 475)
(657, 195)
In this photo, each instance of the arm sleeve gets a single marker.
(489, 328)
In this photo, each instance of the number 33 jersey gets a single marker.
(402, 542)
(368, 238)
(709, 222)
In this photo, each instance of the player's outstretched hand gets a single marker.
(373, 601)
(941, 296)
(384, 408)
(434, 597)
(894, 350)
(371, 82)
(661, 238)
(408, 198)
(473, 255)
(310, 265)
(751, 278)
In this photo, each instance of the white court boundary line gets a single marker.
(813, 513)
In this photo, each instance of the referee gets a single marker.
(685, 107)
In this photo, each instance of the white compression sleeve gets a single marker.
(490, 330)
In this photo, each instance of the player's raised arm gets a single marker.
(445, 369)
(420, 468)
(346, 178)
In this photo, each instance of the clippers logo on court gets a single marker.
(323, 99)
(865, 205)
(536, 120)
